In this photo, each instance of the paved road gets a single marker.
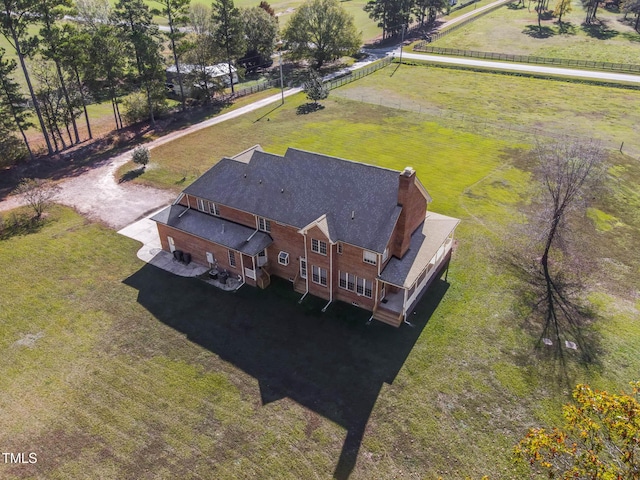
(471, 13)
(519, 67)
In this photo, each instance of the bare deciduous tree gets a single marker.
(38, 194)
(569, 173)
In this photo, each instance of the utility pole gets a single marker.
(402, 43)
(281, 77)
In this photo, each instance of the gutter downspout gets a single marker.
(330, 280)
(306, 263)
(180, 197)
(184, 211)
(252, 235)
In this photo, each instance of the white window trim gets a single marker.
(361, 287)
(283, 258)
(232, 258)
(319, 275)
(213, 209)
(316, 246)
(339, 248)
(349, 280)
(264, 225)
(201, 205)
(369, 261)
(303, 268)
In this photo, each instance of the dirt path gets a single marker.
(97, 194)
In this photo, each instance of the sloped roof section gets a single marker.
(359, 200)
(217, 230)
(425, 242)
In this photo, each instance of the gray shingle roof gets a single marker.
(300, 186)
(425, 242)
(214, 229)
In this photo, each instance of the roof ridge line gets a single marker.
(342, 159)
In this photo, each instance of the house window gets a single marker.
(232, 258)
(213, 209)
(411, 291)
(369, 257)
(303, 268)
(201, 206)
(385, 255)
(318, 246)
(283, 258)
(364, 287)
(339, 248)
(319, 275)
(421, 278)
(347, 281)
(264, 224)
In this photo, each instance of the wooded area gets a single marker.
(72, 54)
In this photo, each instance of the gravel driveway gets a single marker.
(97, 194)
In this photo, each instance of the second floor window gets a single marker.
(232, 258)
(369, 257)
(264, 224)
(318, 246)
(213, 209)
(201, 205)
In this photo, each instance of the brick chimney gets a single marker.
(414, 209)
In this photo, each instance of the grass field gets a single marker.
(497, 106)
(505, 106)
(113, 369)
(515, 31)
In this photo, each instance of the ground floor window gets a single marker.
(319, 275)
(283, 258)
(361, 286)
(303, 267)
(364, 287)
(347, 281)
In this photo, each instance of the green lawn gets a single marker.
(505, 106)
(491, 104)
(508, 30)
(113, 369)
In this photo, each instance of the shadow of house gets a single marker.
(332, 363)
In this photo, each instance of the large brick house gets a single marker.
(336, 229)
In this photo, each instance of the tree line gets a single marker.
(86, 51)
(394, 15)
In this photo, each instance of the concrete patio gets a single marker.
(146, 232)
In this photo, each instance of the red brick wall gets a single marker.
(319, 260)
(414, 209)
(351, 261)
(228, 213)
(286, 239)
(197, 247)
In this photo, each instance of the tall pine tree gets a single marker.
(228, 30)
(16, 16)
(13, 113)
